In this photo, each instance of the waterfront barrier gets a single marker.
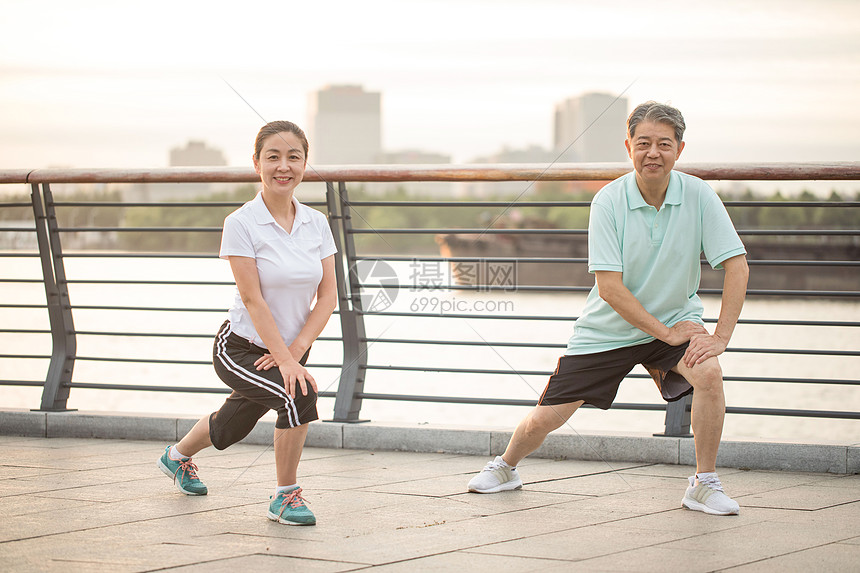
(350, 226)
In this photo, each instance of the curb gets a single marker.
(759, 455)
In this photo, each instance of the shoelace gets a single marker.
(293, 499)
(712, 483)
(493, 465)
(187, 468)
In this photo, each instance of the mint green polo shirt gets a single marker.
(657, 252)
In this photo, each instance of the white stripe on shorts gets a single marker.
(256, 379)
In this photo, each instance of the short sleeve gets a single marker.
(720, 240)
(327, 248)
(604, 248)
(236, 240)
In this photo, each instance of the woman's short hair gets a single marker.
(275, 127)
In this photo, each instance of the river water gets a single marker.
(440, 327)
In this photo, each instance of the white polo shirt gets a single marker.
(289, 264)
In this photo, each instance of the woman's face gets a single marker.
(282, 163)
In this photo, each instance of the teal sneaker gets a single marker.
(289, 508)
(183, 472)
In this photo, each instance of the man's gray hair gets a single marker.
(659, 112)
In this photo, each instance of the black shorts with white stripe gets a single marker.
(255, 392)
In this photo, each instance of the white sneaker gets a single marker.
(495, 477)
(707, 495)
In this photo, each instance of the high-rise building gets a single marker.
(196, 154)
(591, 128)
(344, 125)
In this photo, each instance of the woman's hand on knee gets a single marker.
(294, 373)
(265, 362)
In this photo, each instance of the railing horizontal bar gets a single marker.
(553, 260)
(19, 255)
(508, 204)
(615, 406)
(28, 356)
(792, 351)
(146, 308)
(24, 331)
(40, 281)
(463, 343)
(139, 229)
(30, 383)
(798, 413)
(169, 335)
(213, 204)
(753, 321)
(562, 232)
(180, 389)
(4, 305)
(532, 288)
(148, 282)
(17, 229)
(169, 361)
(632, 376)
(837, 170)
(140, 255)
(14, 204)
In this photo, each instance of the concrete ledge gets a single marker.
(775, 456)
(122, 427)
(853, 460)
(378, 436)
(23, 423)
(832, 458)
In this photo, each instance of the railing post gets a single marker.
(678, 418)
(347, 405)
(55, 394)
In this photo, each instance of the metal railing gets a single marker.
(349, 226)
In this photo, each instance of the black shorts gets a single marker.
(255, 392)
(595, 378)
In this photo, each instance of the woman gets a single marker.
(282, 257)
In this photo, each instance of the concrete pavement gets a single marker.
(82, 504)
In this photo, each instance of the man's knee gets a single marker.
(706, 377)
(545, 419)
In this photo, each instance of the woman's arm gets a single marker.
(248, 282)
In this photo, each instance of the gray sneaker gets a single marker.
(495, 477)
(707, 495)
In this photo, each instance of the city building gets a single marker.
(589, 128)
(344, 125)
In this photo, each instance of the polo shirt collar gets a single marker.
(264, 217)
(674, 193)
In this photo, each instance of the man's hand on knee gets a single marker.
(702, 347)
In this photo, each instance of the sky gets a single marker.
(118, 84)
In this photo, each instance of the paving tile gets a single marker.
(468, 561)
(806, 497)
(831, 557)
(261, 563)
(401, 510)
(582, 542)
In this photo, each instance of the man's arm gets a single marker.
(704, 346)
(612, 290)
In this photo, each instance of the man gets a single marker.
(646, 233)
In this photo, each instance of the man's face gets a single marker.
(654, 150)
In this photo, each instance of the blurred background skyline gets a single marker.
(97, 84)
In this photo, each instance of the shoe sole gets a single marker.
(169, 474)
(498, 488)
(696, 506)
(279, 519)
